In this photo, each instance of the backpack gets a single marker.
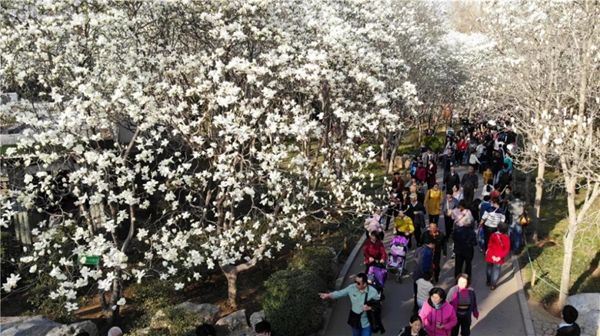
(504, 179)
(419, 252)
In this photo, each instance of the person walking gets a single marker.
(394, 205)
(498, 248)
(397, 183)
(439, 239)
(448, 205)
(424, 285)
(474, 161)
(415, 328)
(516, 209)
(416, 211)
(451, 179)
(359, 293)
(493, 216)
(423, 262)
(431, 171)
(469, 184)
(464, 301)
(403, 225)
(464, 249)
(373, 251)
(438, 315)
(433, 202)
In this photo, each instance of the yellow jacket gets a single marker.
(488, 176)
(433, 201)
(404, 224)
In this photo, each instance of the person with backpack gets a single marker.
(448, 205)
(415, 328)
(464, 301)
(423, 263)
(360, 293)
(490, 220)
(416, 211)
(438, 315)
(497, 249)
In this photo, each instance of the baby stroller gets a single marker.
(397, 256)
(377, 275)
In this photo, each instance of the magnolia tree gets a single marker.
(225, 104)
(550, 86)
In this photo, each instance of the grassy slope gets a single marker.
(547, 255)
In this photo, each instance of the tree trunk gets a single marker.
(384, 149)
(112, 316)
(568, 243)
(539, 190)
(231, 274)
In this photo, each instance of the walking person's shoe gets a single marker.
(493, 287)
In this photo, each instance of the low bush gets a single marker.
(433, 142)
(292, 304)
(154, 294)
(317, 259)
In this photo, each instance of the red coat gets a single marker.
(431, 171)
(421, 174)
(375, 251)
(499, 246)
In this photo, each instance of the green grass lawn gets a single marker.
(547, 255)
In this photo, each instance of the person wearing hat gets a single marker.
(569, 328)
(416, 212)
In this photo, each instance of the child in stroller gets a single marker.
(377, 275)
(397, 256)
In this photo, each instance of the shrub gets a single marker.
(317, 259)
(433, 142)
(292, 304)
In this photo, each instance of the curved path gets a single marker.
(499, 310)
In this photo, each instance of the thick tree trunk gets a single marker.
(568, 243)
(231, 274)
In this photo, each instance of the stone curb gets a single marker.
(340, 281)
(522, 299)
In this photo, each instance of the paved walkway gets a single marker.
(500, 313)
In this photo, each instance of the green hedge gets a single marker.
(317, 259)
(292, 304)
(433, 142)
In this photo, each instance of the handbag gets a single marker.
(481, 237)
(354, 319)
(524, 220)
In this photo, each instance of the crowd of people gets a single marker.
(493, 224)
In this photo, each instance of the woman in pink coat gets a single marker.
(438, 315)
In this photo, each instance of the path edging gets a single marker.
(340, 280)
(522, 299)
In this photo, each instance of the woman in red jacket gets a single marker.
(431, 171)
(374, 251)
(498, 248)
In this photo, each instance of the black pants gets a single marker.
(487, 233)
(449, 225)
(461, 260)
(391, 212)
(417, 234)
(437, 256)
(434, 219)
(468, 195)
(464, 325)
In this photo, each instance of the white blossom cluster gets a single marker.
(243, 116)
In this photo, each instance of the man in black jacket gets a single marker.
(416, 212)
(469, 184)
(569, 328)
(439, 239)
(451, 179)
